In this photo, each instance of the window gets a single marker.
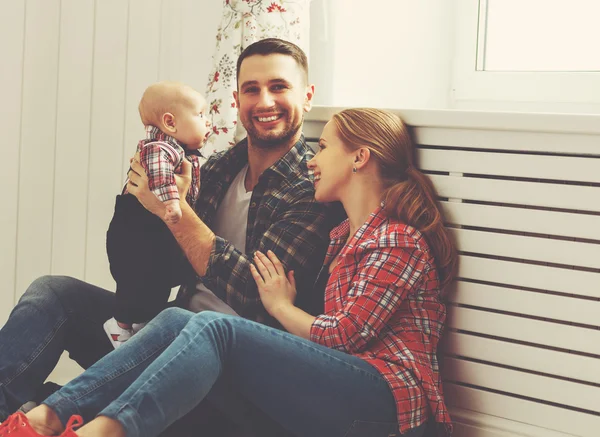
(527, 55)
(538, 35)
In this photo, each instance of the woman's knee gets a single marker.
(173, 316)
(218, 323)
(211, 317)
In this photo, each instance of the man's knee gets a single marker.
(48, 288)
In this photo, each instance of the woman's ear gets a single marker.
(361, 157)
(168, 122)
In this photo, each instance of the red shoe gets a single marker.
(17, 425)
(74, 422)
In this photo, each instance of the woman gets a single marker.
(367, 366)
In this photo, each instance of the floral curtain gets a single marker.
(244, 22)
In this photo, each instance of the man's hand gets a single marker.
(138, 186)
(184, 179)
(277, 290)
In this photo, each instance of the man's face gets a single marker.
(272, 98)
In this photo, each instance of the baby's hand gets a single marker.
(173, 211)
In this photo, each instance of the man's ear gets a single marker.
(362, 156)
(310, 92)
(236, 98)
(168, 122)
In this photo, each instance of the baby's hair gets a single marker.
(160, 98)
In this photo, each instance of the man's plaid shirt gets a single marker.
(382, 304)
(283, 216)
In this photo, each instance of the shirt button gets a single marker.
(253, 205)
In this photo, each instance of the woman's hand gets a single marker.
(277, 290)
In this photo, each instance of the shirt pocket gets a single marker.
(363, 428)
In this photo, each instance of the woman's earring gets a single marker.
(354, 170)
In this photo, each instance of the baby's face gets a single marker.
(191, 120)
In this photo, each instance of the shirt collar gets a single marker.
(155, 134)
(286, 166)
(339, 235)
(289, 163)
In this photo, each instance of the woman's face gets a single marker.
(332, 166)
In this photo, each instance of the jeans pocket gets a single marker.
(363, 428)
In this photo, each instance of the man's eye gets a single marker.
(251, 90)
(278, 87)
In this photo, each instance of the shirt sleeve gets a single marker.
(299, 238)
(159, 165)
(383, 281)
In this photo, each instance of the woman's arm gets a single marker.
(278, 293)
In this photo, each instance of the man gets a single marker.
(255, 196)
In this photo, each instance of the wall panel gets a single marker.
(38, 141)
(106, 141)
(72, 134)
(70, 81)
(11, 79)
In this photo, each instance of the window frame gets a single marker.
(474, 89)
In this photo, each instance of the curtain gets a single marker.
(245, 22)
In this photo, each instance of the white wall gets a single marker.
(73, 73)
(384, 53)
(71, 76)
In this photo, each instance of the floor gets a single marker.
(66, 370)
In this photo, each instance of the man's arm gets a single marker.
(298, 237)
(195, 238)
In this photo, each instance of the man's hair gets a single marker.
(271, 46)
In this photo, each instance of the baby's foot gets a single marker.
(116, 334)
(137, 327)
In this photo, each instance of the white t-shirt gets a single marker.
(232, 215)
(230, 223)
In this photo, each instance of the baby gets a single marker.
(145, 259)
(171, 109)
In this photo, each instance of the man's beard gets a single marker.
(273, 140)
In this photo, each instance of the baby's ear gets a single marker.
(168, 122)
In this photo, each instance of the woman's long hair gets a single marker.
(409, 195)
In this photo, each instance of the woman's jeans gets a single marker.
(166, 369)
(59, 313)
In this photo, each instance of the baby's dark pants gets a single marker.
(145, 261)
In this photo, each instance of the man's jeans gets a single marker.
(173, 363)
(55, 314)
